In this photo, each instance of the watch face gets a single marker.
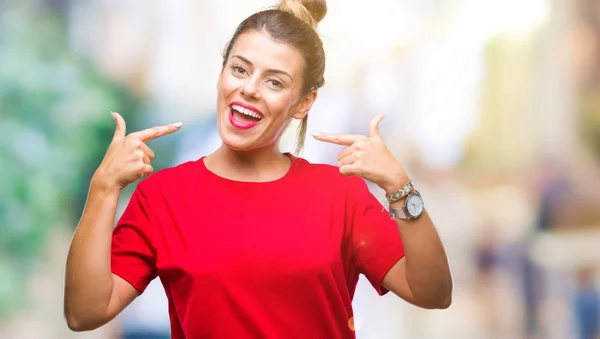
(414, 205)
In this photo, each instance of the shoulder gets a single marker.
(308, 168)
(329, 182)
(328, 175)
(170, 177)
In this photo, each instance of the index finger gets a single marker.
(338, 139)
(156, 132)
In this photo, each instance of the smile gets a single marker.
(244, 116)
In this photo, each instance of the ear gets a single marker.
(304, 105)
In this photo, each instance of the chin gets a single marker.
(237, 142)
(238, 145)
(244, 139)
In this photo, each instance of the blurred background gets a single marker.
(493, 106)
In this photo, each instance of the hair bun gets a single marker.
(309, 11)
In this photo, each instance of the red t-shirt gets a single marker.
(277, 259)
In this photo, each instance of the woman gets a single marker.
(249, 242)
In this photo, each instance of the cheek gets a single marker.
(227, 84)
(281, 105)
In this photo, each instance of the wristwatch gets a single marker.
(412, 209)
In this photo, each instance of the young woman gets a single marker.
(247, 241)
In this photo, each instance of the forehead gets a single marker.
(265, 52)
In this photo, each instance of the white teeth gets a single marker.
(246, 111)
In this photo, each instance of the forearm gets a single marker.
(427, 270)
(88, 277)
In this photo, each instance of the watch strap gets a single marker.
(399, 213)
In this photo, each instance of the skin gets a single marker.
(93, 295)
(271, 82)
(267, 75)
(422, 277)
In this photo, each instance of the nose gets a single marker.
(250, 88)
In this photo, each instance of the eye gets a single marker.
(238, 69)
(275, 84)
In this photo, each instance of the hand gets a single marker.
(368, 157)
(128, 157)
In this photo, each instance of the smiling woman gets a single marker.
(286, 78)
(250, 242)
(259, 93)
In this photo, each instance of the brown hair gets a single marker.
(295, 23)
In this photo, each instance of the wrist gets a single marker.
(98, 184)
(398, 204)
(395, 182)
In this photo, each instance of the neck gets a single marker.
(264, 164)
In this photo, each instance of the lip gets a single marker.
(239, 124)
(243, 125)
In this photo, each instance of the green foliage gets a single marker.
(55, 126)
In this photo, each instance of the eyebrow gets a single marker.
(272, 70)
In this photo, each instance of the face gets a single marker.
(259, 92)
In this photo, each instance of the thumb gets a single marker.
(121, 126)
(374, 125)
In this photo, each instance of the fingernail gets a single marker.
(113, 115)
(315, 134)
(178, 124)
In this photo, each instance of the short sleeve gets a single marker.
(132, 253)
(375, 239)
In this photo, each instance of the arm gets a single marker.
(422, 277)
(93, 295)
